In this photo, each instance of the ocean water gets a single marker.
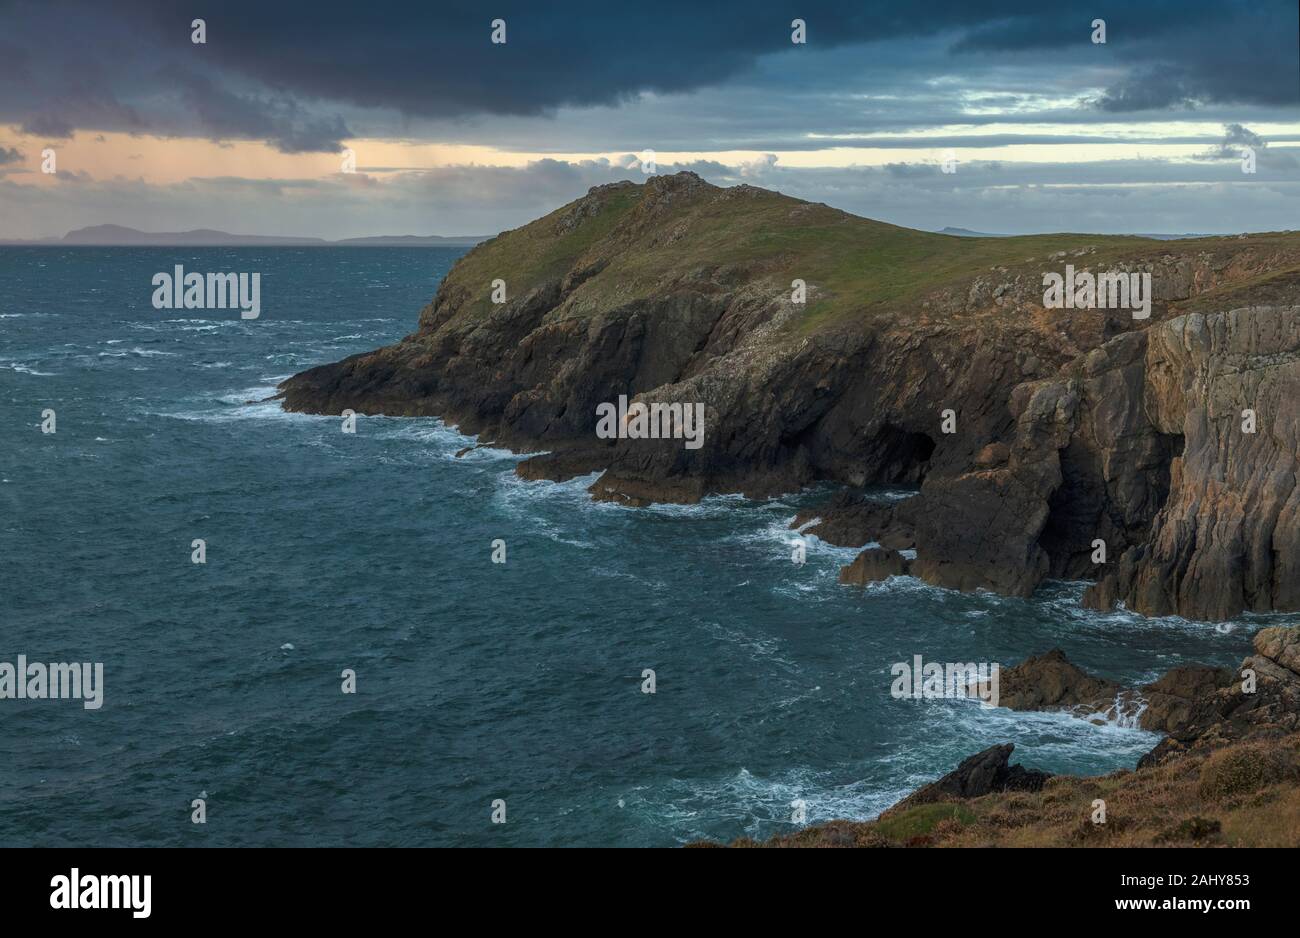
(475, 681)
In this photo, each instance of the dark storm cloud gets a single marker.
(281, 121)
(9, 155)
(62, 113)
(1180, 52)
(434, 59)
(299, 74)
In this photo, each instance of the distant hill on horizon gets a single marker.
(122, 236)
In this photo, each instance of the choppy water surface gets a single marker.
(476, 681)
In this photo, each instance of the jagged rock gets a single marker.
(1225, 710)
(1197, 517)
(1050, 682)
(992, 456)
(1114, 468)
(1281, 644)
(851, 520)
(1170, 698)
(559, 466)
(981, 529)
(1102, 595)
(977, 775)
(874, 565)
(1228, 538)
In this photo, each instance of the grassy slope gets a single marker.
(529, 256)
(856, 266)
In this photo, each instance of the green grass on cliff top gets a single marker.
(529, 256)
(854, 266)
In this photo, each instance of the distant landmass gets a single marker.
(967, 233)
(121, 236)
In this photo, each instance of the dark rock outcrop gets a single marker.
(1171, 698)
(977, 775)
(1050, 682)
(850, 519)
(874, 565)
(1260, 700)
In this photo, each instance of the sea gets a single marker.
(492, 703)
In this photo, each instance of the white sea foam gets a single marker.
(891, 495)
(25, 369)
(270, 410)
(911, 584)
(258, 393)
(188, 325)
(519, 494)
(247, 404)
(1063, 597)
(1064, 735)
(761, 806)
(429, 431)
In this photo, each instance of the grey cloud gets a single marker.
(1110, 197)
(224, 114)
(1237, 137)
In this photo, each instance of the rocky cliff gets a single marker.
(824, 346)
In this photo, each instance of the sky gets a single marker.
(359, 119)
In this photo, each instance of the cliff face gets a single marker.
(1227, 537)
(1176, 447)
(1068, 425)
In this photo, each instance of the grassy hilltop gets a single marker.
(858, 266)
